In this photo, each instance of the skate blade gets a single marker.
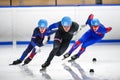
(43, 70)
(70, 60)
(23, 64)
(63, 58)
(11, 64)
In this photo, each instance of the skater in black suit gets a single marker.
(63, 36)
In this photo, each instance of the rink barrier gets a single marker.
(14, 20)
(60, 5)
(51, 42)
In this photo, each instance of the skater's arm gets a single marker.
(89, 19)
(52, 29)
(37, 38)
(102, 30)
(58, 36)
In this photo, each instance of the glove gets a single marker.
(45, 40)
(82, 26)
(91, 16)
(37, 49)
(108, 29)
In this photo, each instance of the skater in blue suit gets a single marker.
(40, 37)
(96, 32)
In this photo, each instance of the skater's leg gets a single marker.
(25, 53)
(18, 61)
(63, 47)
(30, 57)
(74, 46)
(89, 42)
(74, 57)
(33, 53)
(81, 40)
(52, 53)
(78, 54)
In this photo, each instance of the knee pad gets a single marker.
(58, 54)
(56, 46)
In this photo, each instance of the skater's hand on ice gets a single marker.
(37, 49)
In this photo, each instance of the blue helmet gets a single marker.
(42, 23)
(95, 22)
(66, 21)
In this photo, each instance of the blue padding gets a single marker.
(51, 42)
(6, 43)
(72, 41)
(22, 42)
(108, 41)
(27, 42)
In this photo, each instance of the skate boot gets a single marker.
(74, 58)
(66, 56)
(27, 60)
(16, 62)
(44, 66)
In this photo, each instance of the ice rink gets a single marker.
(107, 66)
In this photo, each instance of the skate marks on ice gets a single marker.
(83, 74)
(74, 75)
(25, 69)
(45, 75)
(28, 72)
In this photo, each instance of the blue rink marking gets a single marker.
(51, 42)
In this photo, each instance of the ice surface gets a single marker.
(107, 66)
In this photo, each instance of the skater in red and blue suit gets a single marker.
(96, 32)
(41, 36)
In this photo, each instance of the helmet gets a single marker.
(95, 22)
(66, 21)
(42, 23)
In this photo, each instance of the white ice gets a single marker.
(107, 66)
